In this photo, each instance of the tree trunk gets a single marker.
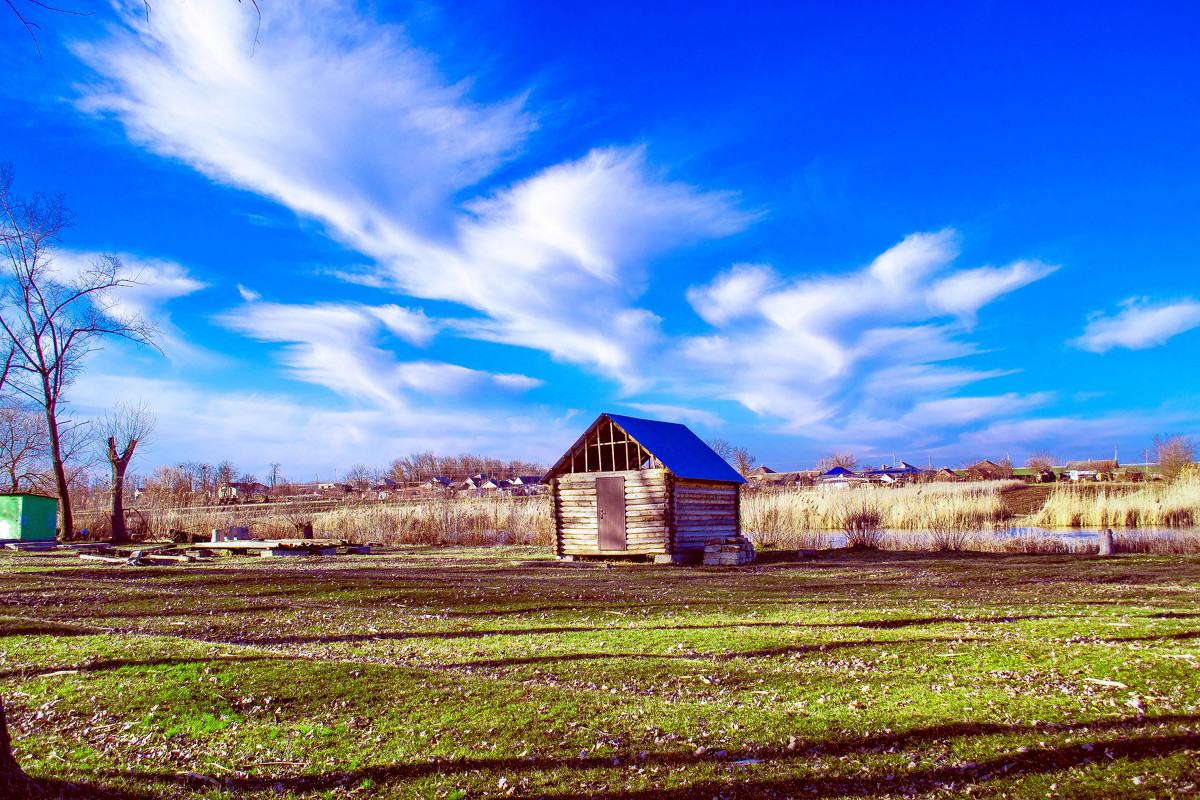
(117, 519)
(60, 474)
(14, 783)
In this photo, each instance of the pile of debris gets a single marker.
(159, 554)
(728, 551)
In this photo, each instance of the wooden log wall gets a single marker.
(647, 512)
(704, 509)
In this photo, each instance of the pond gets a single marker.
(1069, 538)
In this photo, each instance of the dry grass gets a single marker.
(1176, 505)
(474, 520)
(940, 517)
(943, 512)
(483, 520)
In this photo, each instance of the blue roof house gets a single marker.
(640, 487)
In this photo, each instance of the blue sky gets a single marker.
(944, 231)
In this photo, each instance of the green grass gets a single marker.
(493, 672)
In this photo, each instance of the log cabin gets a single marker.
(640, 487)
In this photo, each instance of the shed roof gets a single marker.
(673, 444)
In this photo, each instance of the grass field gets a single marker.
(455, 673)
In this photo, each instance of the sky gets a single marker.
(927, 231)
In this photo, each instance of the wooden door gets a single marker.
(610, 511)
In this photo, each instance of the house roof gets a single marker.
(1104, 465)
(761, 470)
(835, 472)
(784, 477)
(673, 444)
(249, 486)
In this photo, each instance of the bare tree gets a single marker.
(742, 461)
(843, 459)
(224, 474)
(23, 446)
(52, 320)
(1173, 453)
(1041, 460)
(721, 447)
(123, 430)
(275, 465)
(360, 476)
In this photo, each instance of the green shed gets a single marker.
(28, 517)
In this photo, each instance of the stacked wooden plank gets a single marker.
(728, 551)
(703, 510)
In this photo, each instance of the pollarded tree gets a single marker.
(123, 429)
(50, 318)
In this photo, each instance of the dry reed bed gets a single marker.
(928, 507)
(922, 517)
(1176, 505)
(474, 520)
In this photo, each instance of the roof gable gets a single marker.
(674, 445)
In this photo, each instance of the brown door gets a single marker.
(610, 510)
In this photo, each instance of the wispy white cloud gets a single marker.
(957, 412)
(249, 295)
(254, 428)
(555, 261)
(1139, 325)
(734, 294)
(333, 114)
(964, 293)
(348, 123)
(868, 345)
(338, 346)
(674, 413)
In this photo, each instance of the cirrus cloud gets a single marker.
(1139, 325)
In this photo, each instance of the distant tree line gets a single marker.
(420, 467)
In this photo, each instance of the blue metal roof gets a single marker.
(679, 450)
(835, 472)
(674, 445)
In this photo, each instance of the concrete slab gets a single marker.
(295, 551)
(35, 544)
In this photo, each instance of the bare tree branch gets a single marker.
(30, 25)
